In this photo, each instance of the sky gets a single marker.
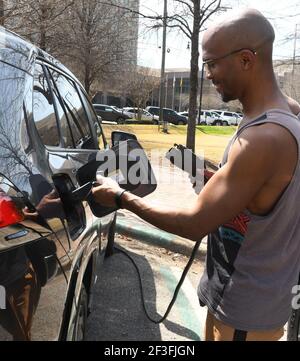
(283, 15)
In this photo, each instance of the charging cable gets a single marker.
(182, 278)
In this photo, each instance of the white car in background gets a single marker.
(145, 116)
(207, 117)
(226, 117)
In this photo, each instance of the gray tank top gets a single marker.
(253, 262)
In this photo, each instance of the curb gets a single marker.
(154, 236)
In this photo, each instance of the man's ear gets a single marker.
(247, 58)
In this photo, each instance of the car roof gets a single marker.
(17, 51)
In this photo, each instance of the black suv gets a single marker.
(110, 113)
(169, 115)
(51, 143)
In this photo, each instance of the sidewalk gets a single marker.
(147, 233)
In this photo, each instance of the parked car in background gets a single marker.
(169, 115)
(208, 117)
(50, 238)
(141, 115)
(111, 113)
(226, 117)
(184, 114)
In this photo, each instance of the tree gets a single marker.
(2, 12)
(92, 38)
(96, 48)
(190, 17)
(139, 86)
(37, 20)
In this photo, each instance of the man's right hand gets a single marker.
(201, 178)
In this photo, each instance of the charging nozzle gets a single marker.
(83, 192)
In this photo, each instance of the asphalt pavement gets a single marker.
(118, 313)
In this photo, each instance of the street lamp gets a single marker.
(162, 73)
(201, 91)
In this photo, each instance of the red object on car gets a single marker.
(9, 213)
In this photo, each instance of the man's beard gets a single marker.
(227, 97)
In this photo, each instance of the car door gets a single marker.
(100, 110)
(65, 145)
(110, 114)
(146, 116)
(79, 146)
(33, 253)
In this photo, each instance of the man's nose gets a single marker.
(208, 73)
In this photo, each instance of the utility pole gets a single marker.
(2, 12)
(201, 92)
(173, 90)
(166, 94)
(162, 73)
(294, 60)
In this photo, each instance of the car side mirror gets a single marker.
(128, 164)
(119, 136)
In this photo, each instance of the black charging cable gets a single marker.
(84, 192)
(177, 289)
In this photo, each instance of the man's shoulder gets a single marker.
(260, 136)
(268, 133)
(263, 142)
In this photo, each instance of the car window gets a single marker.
(97, 107)
(14, 162)
(43, 109)
(93, 116)
(72, 116)
(154, 111)
(227, 114)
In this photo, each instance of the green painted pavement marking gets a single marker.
(146, 233)
(184, 306)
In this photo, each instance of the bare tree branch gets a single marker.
(184, 25)
(187, 4)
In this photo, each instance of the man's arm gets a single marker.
(226, 194)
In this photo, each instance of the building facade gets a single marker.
(177, 89)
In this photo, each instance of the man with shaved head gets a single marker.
(250, 207)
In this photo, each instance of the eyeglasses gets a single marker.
(209, 65)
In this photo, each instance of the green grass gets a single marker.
(210, 139)
(216, 130)
(175, 129)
